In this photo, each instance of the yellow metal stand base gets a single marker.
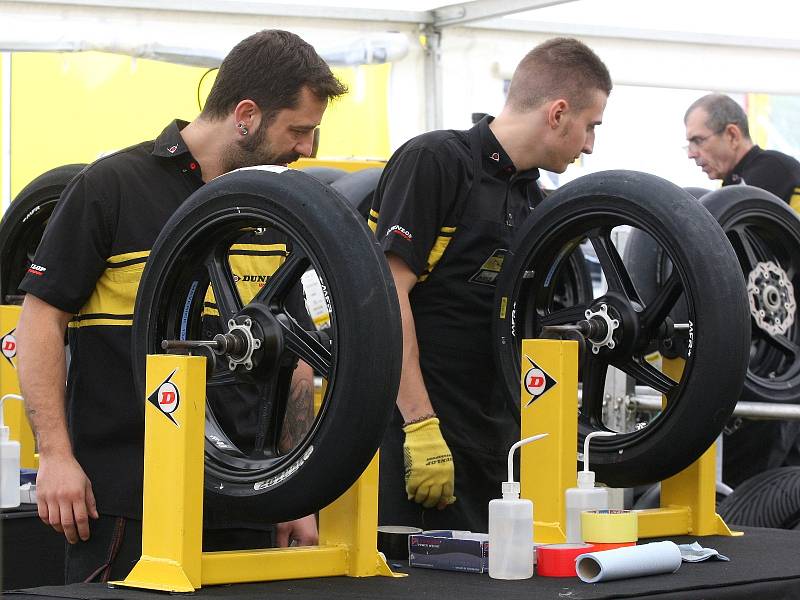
(549, 396)
(172, 557)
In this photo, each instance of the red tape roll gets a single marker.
(558, 560)
(611, 546)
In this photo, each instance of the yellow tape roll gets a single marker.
(609, 526)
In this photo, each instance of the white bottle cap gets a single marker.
(585, 479)
(510, 490)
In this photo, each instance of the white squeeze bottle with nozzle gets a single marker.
(586, 496)
(511, 527)
(9, 463)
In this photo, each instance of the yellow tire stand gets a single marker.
(549, 403)
(13, 410)
(172, 557)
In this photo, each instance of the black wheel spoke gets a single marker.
(593, 379)
(226, 295)
(307, 346)
(782, 344)
(744, 246)
(216, 436)
(573, 314)
(271, 412)
(617, 277)
(284, 279)
(646, 374)
(658, 310)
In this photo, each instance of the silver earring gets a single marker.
(242, 127)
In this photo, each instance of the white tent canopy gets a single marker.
(448, 59)
(735, 45)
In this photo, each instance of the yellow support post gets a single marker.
(693, 490)
(347, 538)
(549, 391)
(13, 410)
(549, 395)
(353, 521)
(172, 557)
(172, 512)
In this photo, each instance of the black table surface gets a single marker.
(765, 563)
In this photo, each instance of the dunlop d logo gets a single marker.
(537, 382)
(8, 343)
(166, 398)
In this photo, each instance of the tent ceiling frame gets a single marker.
(629, 33)
(481, 14)
(465, 13)
(444, 16)
(245, 7)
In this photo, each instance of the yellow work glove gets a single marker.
(429, 465)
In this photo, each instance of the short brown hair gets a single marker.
(558, 68)
(270, 68)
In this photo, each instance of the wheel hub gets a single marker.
(240, 352)
(607, 326)
(771, 296)
(254, 341)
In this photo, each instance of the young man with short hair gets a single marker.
(445, 212)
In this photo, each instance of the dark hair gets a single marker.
(270, 68)
(558, 68)
(722, 111)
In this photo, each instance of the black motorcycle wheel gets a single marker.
(359, 355)
(765, 234)
(23, 225)
(705, 272)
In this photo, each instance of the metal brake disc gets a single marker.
(771, 296)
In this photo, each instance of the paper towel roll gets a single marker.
(635, 561)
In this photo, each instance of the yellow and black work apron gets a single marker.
(452, 309)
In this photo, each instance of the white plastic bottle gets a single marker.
(511, 528)
(9, 464)
(584, 497)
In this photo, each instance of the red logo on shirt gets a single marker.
(172, 149)
(36, 269)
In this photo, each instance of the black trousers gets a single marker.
(477, 481)
(757, 446)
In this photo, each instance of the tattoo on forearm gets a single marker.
(299, 414)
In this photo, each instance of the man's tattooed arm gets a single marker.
(299, 408)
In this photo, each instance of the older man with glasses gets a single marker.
(720, 144)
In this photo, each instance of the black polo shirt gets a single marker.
(89, 263)
(770, 170)
(421, 195)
